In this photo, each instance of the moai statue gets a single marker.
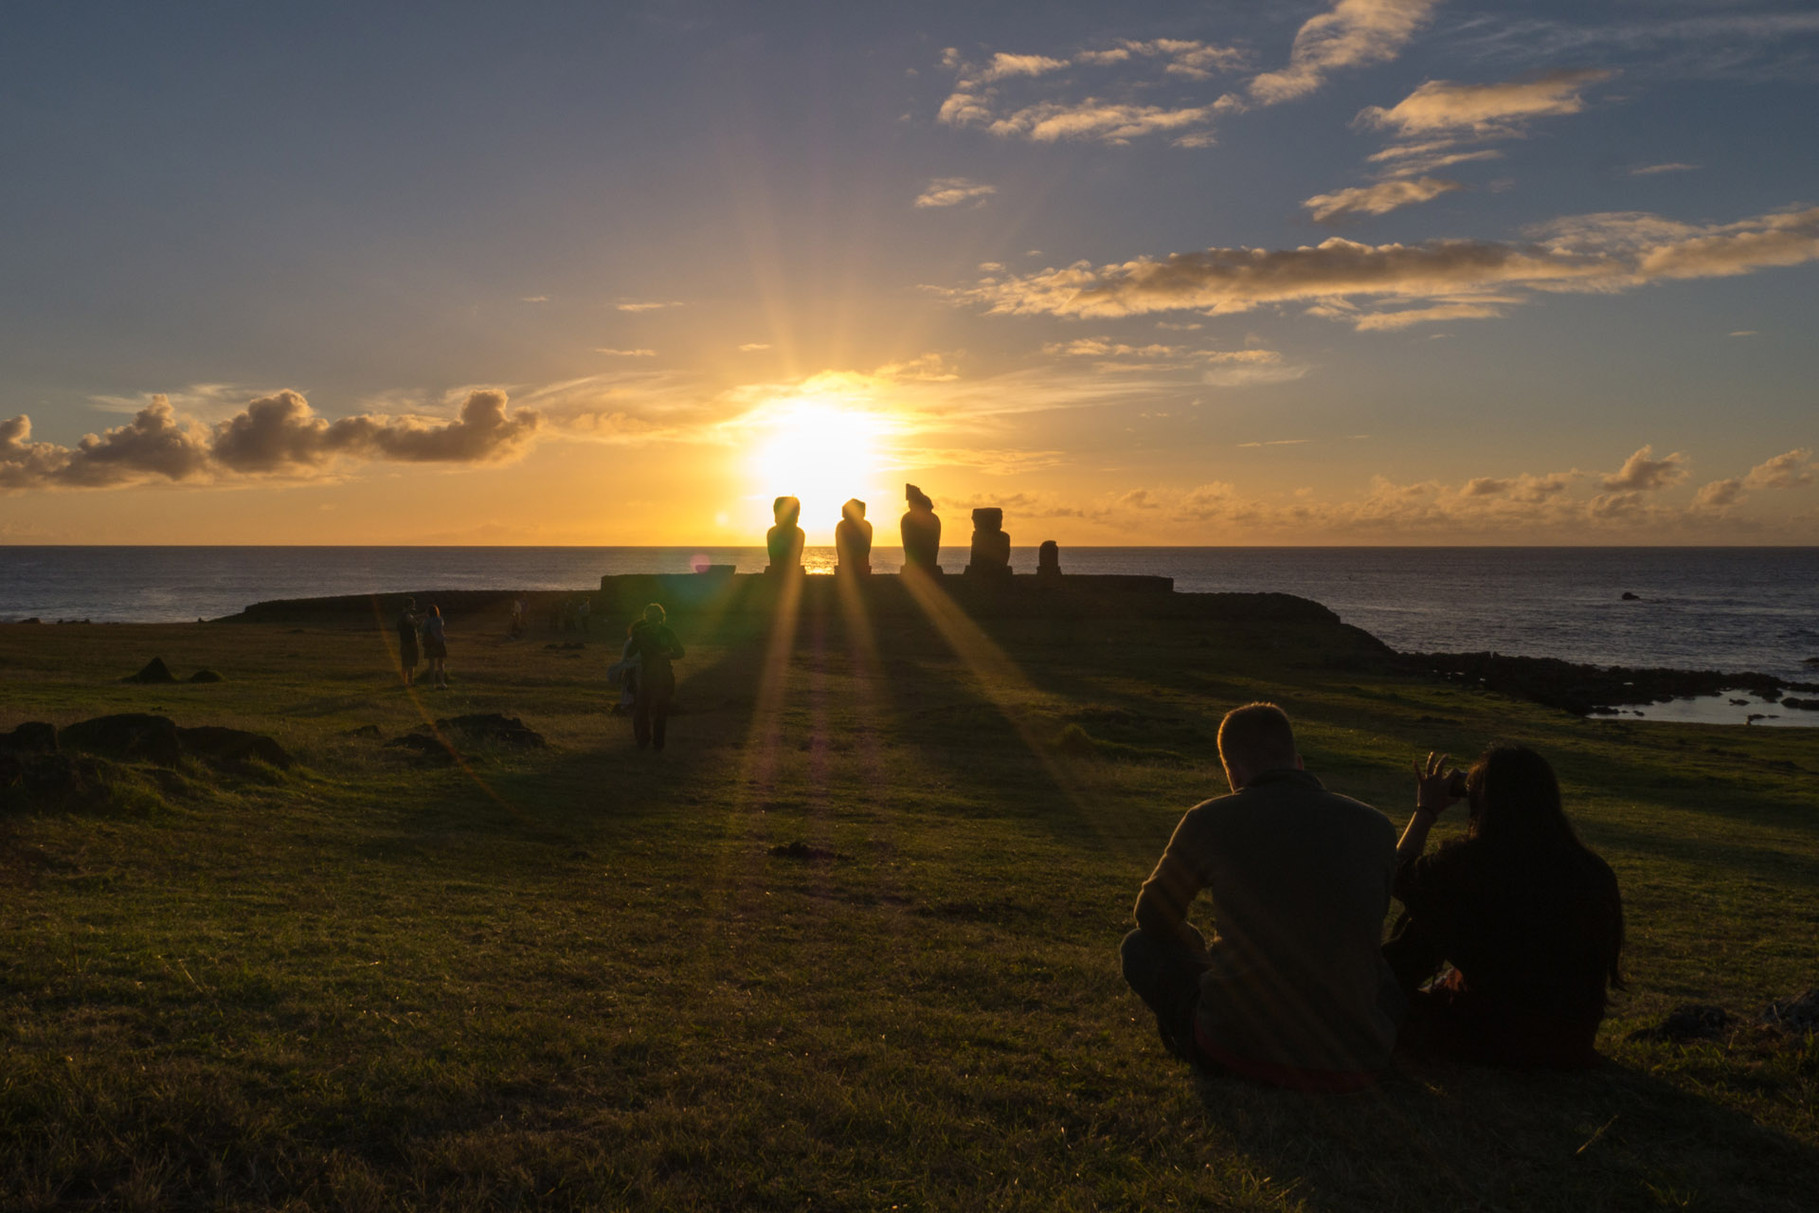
(921, 530)
(1048, 561)
(853, 539)
(991, 546)
(784, 540)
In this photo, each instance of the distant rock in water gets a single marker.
(1805, 705)
(1629, 597)
(155, 671)
(205, 676)
(1803, 661)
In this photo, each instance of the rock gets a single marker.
(233, 746)
(1740, 703)
(1629, 597)
(1805, 705)
(991, 555)
(363, 730)
(1048, 560)
(1794, 1014)
(35, 619)
(205, 676)
(920, 529)
(490, 726)
(425, 745)
(1689, 1021)
(126, 735)
(800, 850)
(853, 540)
(155, 671)
(32, 737)
(784, 541)
(568, 647)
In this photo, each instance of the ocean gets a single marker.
(1731, 609)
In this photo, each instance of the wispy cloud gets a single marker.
(625, 353)
(955, 191)
(648, 306)
(1601, 253)
(1354, 33)
(1049, 104)
(1650, 170)
(753, 346)
(1483, 111)
(1379, 199)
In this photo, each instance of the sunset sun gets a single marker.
(819, 451)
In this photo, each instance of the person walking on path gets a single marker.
(655, 646)
(1293, 989)
(435, 647)
(408, 622)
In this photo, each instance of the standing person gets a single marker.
(655, 646)
(408, 622)
(1293, 989)
(1529, 917)
(435, 647)
(517, 618)
(624, 672)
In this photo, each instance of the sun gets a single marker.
(818, 451)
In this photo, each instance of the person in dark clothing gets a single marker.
(1293, 989)
(1529, 918)
(655, 647)
(408, 622)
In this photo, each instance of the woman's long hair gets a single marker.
(1517, 813)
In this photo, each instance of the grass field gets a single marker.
(588, 976)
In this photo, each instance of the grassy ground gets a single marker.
(588, 976)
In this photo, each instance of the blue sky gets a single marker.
(1376, 271)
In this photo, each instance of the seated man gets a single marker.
(1293, 989)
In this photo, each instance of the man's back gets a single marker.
(1300, 880)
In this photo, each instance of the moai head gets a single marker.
(787, 510)
(853, 510)
(989, 519)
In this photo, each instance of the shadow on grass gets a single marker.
(1466, 1137)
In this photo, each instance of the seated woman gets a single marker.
(1528, 917)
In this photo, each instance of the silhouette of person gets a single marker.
(784, 540)
(853, 539)
(435, 647)
(921, 530)
(655, 646)
(408, 622)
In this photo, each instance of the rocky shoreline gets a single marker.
(1586, 690)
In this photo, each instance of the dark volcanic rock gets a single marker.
(1806, 705)
(233, 746)
(127, 735)
(801, 850)
(1689, 1021)
(155, 671)
(490, 726)
(1795, 1014)
(1583, 689)
(363, 730)
(205, 676)
(424, 745)
(1629, 597)
(32, 737)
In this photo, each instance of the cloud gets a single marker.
(954, 191)
(1413, 160)
(602, 349)
(1719, 493)
(1117, 112)
(279, 434)
(534, 299)
(752, 346)
(1791, 470)
(1643, 473)
(1590, 253)
(1385, 322)
(1743, 333)
(1355, 33)
(1483, 111)
(649, 306)
(1649, 170)
(1379, 199)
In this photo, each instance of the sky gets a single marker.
(1240, 272)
